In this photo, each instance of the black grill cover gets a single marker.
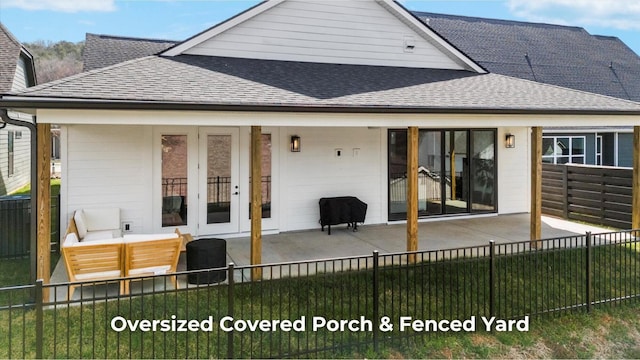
(342, 210)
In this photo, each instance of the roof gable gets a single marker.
(14, 58)
(357, 32)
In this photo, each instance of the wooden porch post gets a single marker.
(536, 186)
(412, 190)
(256, 201)
(43, 266)
(635, 202)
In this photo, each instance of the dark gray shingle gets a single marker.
(558, 55)
(230, 81)
(105, 50)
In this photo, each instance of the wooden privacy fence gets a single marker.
(597, 195)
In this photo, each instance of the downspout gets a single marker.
(6, 119)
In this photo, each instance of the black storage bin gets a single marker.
(207, 254)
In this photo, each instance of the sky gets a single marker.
(70, 20)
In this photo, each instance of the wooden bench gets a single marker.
(120, 258)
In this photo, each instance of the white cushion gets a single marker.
(113, 274)
(155, 270)
(100, 242)
(81, 223)
(70, 240)
(102, 219)
(98, 235)
(131, 238)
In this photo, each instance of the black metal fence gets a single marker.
(597, 195)
(15, 225)
(322, 308)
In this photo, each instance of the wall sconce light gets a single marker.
(295, 143)
(510, 141)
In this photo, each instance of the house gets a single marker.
(17, 73)
(551, 54)
(347, 98)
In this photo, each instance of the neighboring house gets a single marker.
(17, 73)
(352, 81)
(105, 50)
(558, 55)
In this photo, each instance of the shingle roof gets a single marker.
(105, 50)
(230, 81)
(9, 53)
(552, 54)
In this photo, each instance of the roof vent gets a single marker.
(409, 44)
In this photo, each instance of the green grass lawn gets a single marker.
(26, 190)
(441, 290)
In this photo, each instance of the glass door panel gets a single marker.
(397, 174)
(218, 178)
(219, 190)
(174, 180)
(483, 170)
(430, 173)
(456, 172)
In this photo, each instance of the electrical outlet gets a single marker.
(127, 227)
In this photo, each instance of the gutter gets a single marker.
(6, 119)
(23, 103)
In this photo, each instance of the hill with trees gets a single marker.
(55, 60)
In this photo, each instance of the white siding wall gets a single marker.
(113, 166)
(514, 179)
(316, 172)
(108, 166)
(20, 79)
(343, 32)
(21, 159)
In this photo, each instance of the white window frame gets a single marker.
(571, 156)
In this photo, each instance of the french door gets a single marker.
(219, 188)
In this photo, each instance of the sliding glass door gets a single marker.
(448, 182)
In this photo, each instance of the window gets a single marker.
(599, 150)
(174, 180)
(456, 172)
(563, 149)
(10, 146)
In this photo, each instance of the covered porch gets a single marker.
(343, 242)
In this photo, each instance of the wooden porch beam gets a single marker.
(256, 201)
(43, 266)
(536, 186)
(412, 190)
(635, 202)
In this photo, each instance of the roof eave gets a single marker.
(29, 104)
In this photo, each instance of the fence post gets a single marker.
(230, 310)
(376, 309)
(492, 278)
(588, 270)
(39, 319)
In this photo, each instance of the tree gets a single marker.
(57, 60)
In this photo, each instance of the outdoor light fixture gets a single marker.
(295, 143)
(510, 141)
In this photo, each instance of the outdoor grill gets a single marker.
(342, 210)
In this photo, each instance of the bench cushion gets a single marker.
(102, 219)
(81, 223)
(101, 235)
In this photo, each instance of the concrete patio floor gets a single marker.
(343, 242)
(433, 235)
